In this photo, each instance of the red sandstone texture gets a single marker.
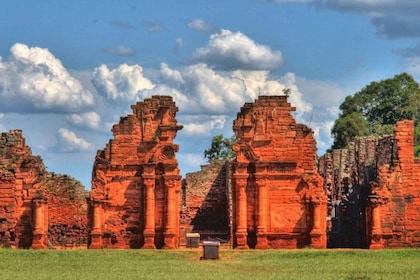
(37, 208)
(278, 195)
(136, 181)
(374, 192)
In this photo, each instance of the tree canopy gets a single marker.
(220, 149)
(376, 108)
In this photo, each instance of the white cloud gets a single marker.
(322, 93)
(121, 84)
(200, 25)
(32, 79)
(90, 120)
(203, 125)
(179, 43)
(233, 50)
(322, 134)
(68, 141)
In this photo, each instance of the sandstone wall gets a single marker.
(373, 193)
(35, 203)
(136, 181)
(205, 203)
(278, 195)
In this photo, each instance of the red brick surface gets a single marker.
(275, 163)
(141, 156)
(24, 185)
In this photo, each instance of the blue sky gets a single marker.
(70, 69)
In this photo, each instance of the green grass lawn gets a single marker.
(233, 264)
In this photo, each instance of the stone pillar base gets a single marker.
(149, 241)
(170, 241)
(262, 242)
(39, 241)
(317, 240)
(96, 240)
(241, 241)
(376, 242)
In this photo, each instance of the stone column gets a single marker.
(96, 234)
(262, 213)
(149, 229)
(169, 234)
(376, 239)
(241, 214)
(40, 230)
(316, 233)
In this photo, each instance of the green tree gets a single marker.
(376, 108)
(221, 148)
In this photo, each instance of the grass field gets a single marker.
(233, 264)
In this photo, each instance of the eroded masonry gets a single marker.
(38, 209)
(276, 193)
(136, 183)
(374, 192)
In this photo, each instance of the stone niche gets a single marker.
(277, 194)
(136, 183)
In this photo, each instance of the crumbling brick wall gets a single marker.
(205, 202)
(278, 196)
(373, 193)
(136, 182)
(33, 202)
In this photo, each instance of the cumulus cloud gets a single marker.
(119, 50)
(68, 141)
(32, 79)
(202, 125)
(90, 120)
(121, 84)
(200, 25)
(228, 50)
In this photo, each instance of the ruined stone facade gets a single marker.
(373, 192)
(271, 196)
(136, 183)
(37, 208)
(278, 196)
(206, 202)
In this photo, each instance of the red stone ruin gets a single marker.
(38, 209)
(136, 183)
(374, 192)
(278, 195)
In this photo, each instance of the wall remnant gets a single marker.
(373, 191)
(136, 183)
(36, 204)
(278, 195)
